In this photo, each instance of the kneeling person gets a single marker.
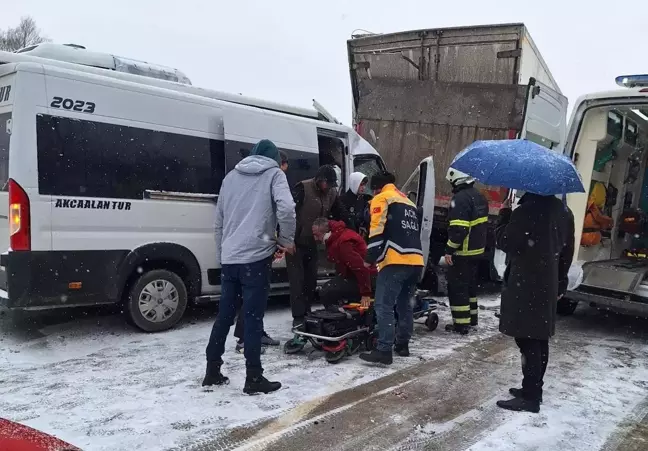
(347, 249)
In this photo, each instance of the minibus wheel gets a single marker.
(156, 301)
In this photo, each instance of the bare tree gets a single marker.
(25, 34)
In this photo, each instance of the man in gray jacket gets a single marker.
(254, 198)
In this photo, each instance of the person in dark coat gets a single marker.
(356, 202)
(314, 198)
(538, 238)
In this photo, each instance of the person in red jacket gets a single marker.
(354, 279)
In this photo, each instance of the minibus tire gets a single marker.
(156, 278)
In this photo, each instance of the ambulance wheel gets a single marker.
(335, 356)
(156, 301)
(432, 321)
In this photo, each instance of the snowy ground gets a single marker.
(596, 391)
(95, 382)
(101, 385)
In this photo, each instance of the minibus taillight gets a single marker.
(19, 220)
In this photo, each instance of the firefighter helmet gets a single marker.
(458, 178)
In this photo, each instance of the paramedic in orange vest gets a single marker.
(595, 220)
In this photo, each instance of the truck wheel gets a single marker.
(156, 301)
(566, 307)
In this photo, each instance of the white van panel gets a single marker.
(29, 91)
(251, 126)
(129, 223)
(125, 102)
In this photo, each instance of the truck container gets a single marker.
(433, 92)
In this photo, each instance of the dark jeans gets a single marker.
(302, 276)
(251, 282)
(535, 356)
(462, 290)
(339, 289)
(395, 285)
(239, 328)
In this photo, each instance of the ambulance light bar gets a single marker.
(632, 81)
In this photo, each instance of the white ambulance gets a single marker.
(608, 141)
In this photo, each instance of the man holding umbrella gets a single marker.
(538, 238)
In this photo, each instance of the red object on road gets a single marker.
(18, 437)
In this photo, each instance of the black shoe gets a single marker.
(520, 405)
(402, 349)
(213, 375)
(376, 356)
(463, 330)
(259, 384)
(267, 340)
(517, 392)
(240, 347)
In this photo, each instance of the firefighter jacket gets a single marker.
(394, 233)
(467, 222)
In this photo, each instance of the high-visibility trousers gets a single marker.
(462, 291)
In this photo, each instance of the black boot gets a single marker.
(402, 349)
(517, 392)
(376, 356)
(259, 384)
(213, 375)
(463, 330)
(520, 405)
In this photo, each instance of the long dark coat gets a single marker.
(538, 238)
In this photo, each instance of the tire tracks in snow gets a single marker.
(384, 412)
(632, 434)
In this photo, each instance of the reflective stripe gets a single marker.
(474, 312)
(478, 221)
(462, 223)
(459, 223)
(471, 253)
(460, 308)
(466, 242)
(376, 244)
(453, 245)
(473, 299)
(401, 250)
(461, 320)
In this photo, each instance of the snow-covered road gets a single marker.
(101, 385)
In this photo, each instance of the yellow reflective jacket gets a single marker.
(394, 233)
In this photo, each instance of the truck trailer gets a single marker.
(431, 93)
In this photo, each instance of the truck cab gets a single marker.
(607, 140)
